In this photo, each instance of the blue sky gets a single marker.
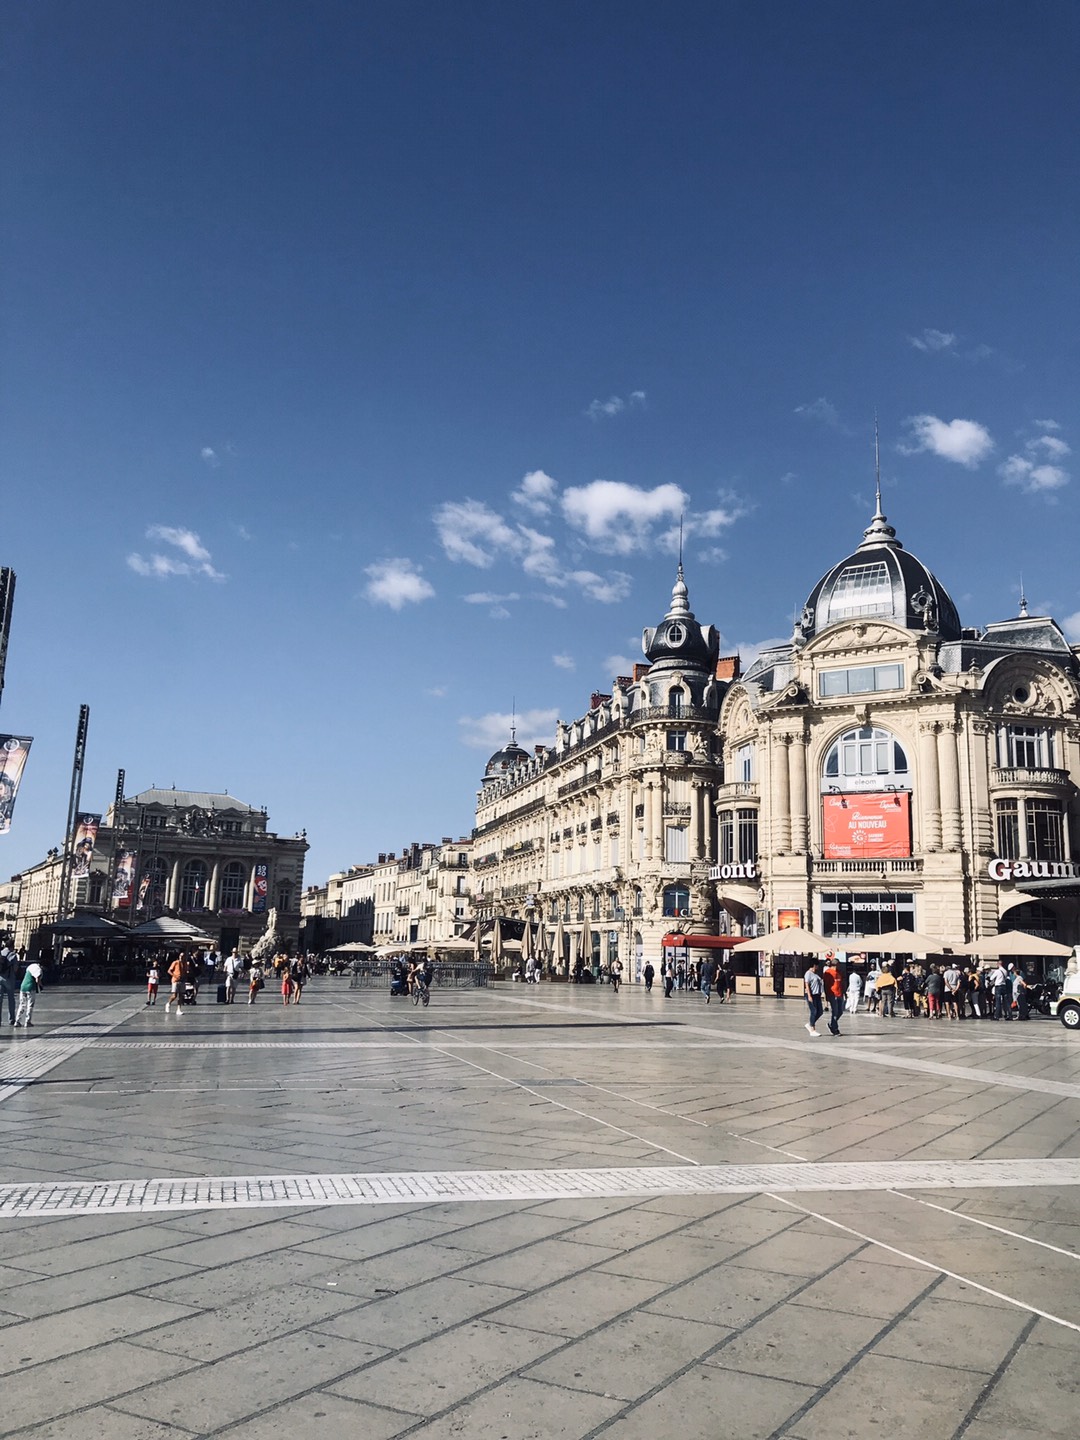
(359, 360)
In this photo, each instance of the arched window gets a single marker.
(676, 701)
(233, 882)
(153, 887)
(865, 759)
(193, 886)
(676, 900)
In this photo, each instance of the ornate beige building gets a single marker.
(896, 769)
(609, 834)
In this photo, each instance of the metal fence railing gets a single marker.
(448, 975)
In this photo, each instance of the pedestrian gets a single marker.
(854, 992)
(28, 990)
(668, 972)
(908, 985)
(648, 975)
(153, 977)
(616, 974)
(885, 992)
(953, 980)
(814, 991)
(9, 979)
(935, 993)
(708, 977)
(729, 977)
(834, 993)
(1020, 995)
(233, 968)
(299, 978)
(178, 975)
(255, 982)
(1001, 985)
(286, 983)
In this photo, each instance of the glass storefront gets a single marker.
(865, 912)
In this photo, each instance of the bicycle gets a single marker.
(420, 990)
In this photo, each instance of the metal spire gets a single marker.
(877, 468)
(1023, 599)
(513, 720)
(879, 531)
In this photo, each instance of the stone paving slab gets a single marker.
(706, 1303)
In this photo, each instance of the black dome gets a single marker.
(882, 581)
(505, 760)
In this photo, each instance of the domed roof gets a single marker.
(679, 642)
(505, 760)
(880, 581)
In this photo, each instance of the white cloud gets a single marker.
(749, 650)
(209, 456)
(196, 558)
(619, 665)
(608, 409)
(489, 597)
(933, 340)
(396, 582)
(536, 492)
(564, 662)
(619, 518)
(1034, 471)
(471, 532)
(1071, 626)
(964, 442)
(436, 691)
(491, 731)
(608, 589)
(822, 410)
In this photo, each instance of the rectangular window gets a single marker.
(677, 848)
(1026, 747)
(613, 849)
(1008, 829)
(1045, 833)
(860, 680)
(596, 862)
(676, 739)
(744, 764)
(725, 836)
(854, 912)
(747, 835)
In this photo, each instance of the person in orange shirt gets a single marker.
(834, 993)
(178, 973)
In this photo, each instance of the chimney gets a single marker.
(446, 840)
(596, 699)
(728, 667)
(640, 671)
(539, 751)
(382, 857)
(623, 680)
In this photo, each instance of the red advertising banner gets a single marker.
(786, 919)
(866, 827)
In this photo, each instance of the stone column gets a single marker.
(172, 895)
(212, 889)
(800, 839)
(695, 820)
(929, 790)
(780, 800)
(949, 771)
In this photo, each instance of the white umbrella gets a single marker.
(904, 942)
(496, 944)
(793, 938)
(560, 946)
(1012, 942)
(354, 947)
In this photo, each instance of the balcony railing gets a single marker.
(908, 866)
(1018, 776)
(737, 790)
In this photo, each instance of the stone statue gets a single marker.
(270, 943)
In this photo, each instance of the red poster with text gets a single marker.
(867, 827)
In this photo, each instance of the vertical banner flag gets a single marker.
(259, 889)
(86, 828)
(13, 752)
(125, 877)
(144, 890)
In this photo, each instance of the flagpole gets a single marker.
(74, 800)
(7, 601)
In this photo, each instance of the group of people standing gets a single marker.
(21, 978)
(186, 971)
(948, 991)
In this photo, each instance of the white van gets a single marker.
(1067, 1005)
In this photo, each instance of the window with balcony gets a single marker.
(193, 885)
(747, 835)
(743, 766)
(1045, 830)
(676, 701)
(232, 886)
(1025, 747)
(676, 848)
(725, 837)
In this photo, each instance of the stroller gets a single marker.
(189, 993)
(399, 979)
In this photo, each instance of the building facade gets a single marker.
(890, 768)
(207, 858)
(607, 838)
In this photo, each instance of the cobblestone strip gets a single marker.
(441, 1186)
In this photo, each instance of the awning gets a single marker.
(701, 942)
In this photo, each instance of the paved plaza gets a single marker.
(541, 1211)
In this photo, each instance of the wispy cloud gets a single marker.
(396, 583)
(821, 410)
(964, 442)
(437, 692)
(489, 732)
(190, 556)
(536, 493)
(614, 665)
(1071, 627)
(209, 456)
(1036, 468)
(933, 341)
(472, 533)
(564, 662)
(615, 405)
